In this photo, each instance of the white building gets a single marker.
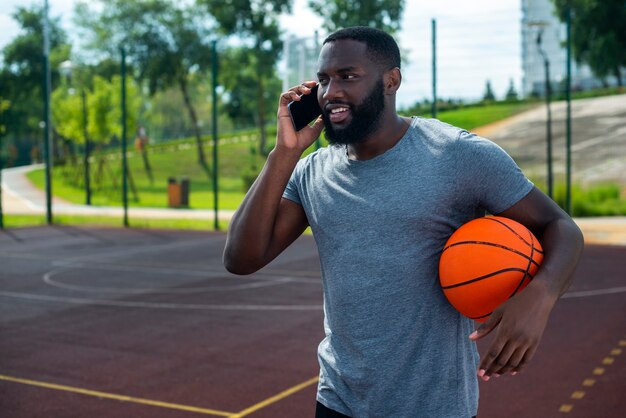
(538, 16)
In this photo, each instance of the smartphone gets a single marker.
(306, 110)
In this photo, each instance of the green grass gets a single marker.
(22, 221)
(165, 163)
(236, 162)
(473, 117)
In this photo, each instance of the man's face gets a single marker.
(351, 92)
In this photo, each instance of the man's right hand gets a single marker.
(287, 139)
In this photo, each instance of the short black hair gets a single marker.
(381, 47)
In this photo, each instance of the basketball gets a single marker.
(487, 261)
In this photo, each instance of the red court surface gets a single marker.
(143, 323)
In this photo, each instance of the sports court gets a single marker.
(98, 322)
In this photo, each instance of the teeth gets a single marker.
(339, 110)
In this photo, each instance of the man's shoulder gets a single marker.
(421, 123)
(435, 133)
(318, 156)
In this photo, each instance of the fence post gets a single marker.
(215, 139)
(123, 121)
(434, 35)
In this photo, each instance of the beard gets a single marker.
(365, 119)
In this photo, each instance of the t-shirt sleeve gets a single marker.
(291, 190)
(490, 174)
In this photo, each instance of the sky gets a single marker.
(477, 40)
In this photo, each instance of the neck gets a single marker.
(391, 129)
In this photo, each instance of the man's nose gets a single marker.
(332, 91)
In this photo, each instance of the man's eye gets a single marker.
(323, 81)
(349, 76)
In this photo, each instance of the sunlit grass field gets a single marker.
(238, 161)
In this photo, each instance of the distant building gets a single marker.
(538, 16)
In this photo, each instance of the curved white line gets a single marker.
(47, 278)
(159, 305)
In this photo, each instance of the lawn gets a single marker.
(238, 162)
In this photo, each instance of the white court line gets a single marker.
(160, 305)
(47, 278)
(310, 277)
(599, 292)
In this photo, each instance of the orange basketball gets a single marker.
(487, 261)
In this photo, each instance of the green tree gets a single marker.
(381, 14)
(511, 93)
(598, 34)
(488, 95)
(21, 77)
(255, 24)
(4, 105)
(240, 103)
(165, 43)
(104, 111)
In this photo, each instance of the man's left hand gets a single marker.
(520, 323)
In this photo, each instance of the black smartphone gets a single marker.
(306, 110)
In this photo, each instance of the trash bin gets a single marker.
(173, 193)
(178, 192)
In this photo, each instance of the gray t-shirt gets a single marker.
(394, 346)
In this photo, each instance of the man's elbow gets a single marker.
(238, 265)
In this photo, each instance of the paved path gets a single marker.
(21, 197)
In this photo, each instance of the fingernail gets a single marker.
(474, 334)
(496, 375)
(513, 373)
(481, 372)
(486, 378)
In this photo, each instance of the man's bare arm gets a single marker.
(265, 223)
(519, 323)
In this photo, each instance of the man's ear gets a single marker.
(392, 80)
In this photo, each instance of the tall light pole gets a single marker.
(546, 64)
(568, 118)
(548, 90)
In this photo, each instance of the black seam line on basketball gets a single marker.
(492, 245)
(495, 273)
(481, 317)
(513, 231)
(526, 273)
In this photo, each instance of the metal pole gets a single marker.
(316, 43)
(123, 121)
(287, 69)
(546, 63)
(47, 147)
(216, 225)
(568, 121)
(86, 153)
(434, 34)
(1, 165)
(549, 128)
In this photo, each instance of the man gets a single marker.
(381, 201)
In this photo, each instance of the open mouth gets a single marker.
(338, 114)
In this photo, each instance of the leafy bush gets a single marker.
(597, 200)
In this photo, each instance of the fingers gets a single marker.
(486, 326)
(294, 93)
(499, 361)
